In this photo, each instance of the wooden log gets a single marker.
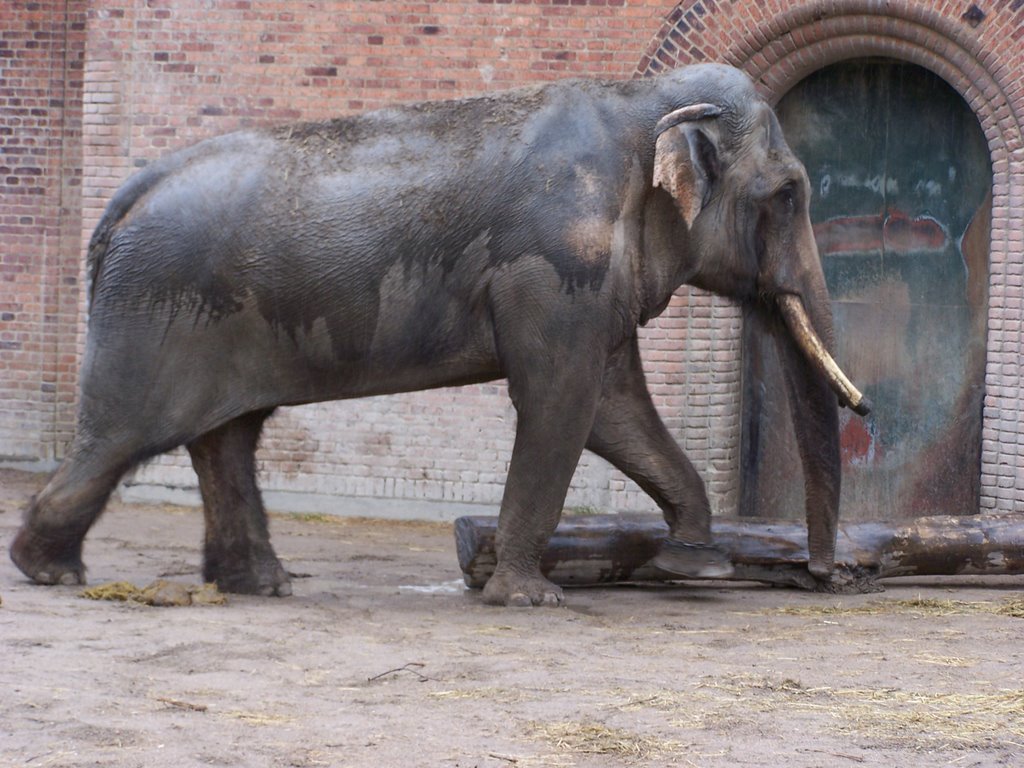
(589, 550)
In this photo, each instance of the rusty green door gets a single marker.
(901, 203)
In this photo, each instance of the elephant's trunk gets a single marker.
(813, 382)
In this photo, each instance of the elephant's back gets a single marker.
(187, 226)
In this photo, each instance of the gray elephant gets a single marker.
(523, 235)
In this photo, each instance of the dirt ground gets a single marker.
(381, 658)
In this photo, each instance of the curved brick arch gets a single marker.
(980, 58)
(782, 64)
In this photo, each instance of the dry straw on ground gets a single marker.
(924, 606)
(596, 739)
(917, 719)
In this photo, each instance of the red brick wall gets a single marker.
(181, 71)
(164, 73)
(41, 53)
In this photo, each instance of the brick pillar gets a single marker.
(41, 46)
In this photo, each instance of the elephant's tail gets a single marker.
(120, 204)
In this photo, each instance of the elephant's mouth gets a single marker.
(799, 324)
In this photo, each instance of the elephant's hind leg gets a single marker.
(48, 547)
(237, 554)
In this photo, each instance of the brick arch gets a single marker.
(980, 62)
(933, 42)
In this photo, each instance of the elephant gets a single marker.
(524, 235)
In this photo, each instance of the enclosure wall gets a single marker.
(92, 90)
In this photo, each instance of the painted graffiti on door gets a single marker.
(901, 202)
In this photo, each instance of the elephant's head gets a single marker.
(740, 198)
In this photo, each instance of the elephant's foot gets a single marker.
(694, 561)
(258, 576)
(517, 590)
(48, 560)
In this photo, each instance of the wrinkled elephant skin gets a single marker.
(524, 235)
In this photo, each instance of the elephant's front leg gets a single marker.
(629, 433)
(555, 414)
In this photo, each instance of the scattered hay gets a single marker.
(1012, 606)
(920, 719)
(688, 709)
(327, 518)
(597, 739)
(258, 718)
(551, 760)
(944, 661)
(462, 694)
(160, 593)
(185, 705)
(927, 719)
(921, 606)
(741, 686)
(909, 719)
(499, 695)
(308, 517)
(663, 700)
(492, 629)
(496, 695)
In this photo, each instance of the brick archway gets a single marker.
(974, 55)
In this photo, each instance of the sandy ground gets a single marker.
(381, 658)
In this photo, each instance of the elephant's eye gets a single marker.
(787, 198)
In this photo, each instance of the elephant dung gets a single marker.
(160, 593)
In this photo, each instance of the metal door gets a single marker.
(901, 204)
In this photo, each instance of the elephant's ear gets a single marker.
(686, 162)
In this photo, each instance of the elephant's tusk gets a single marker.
(799, 325)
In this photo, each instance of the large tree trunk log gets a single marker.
(607, 549)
